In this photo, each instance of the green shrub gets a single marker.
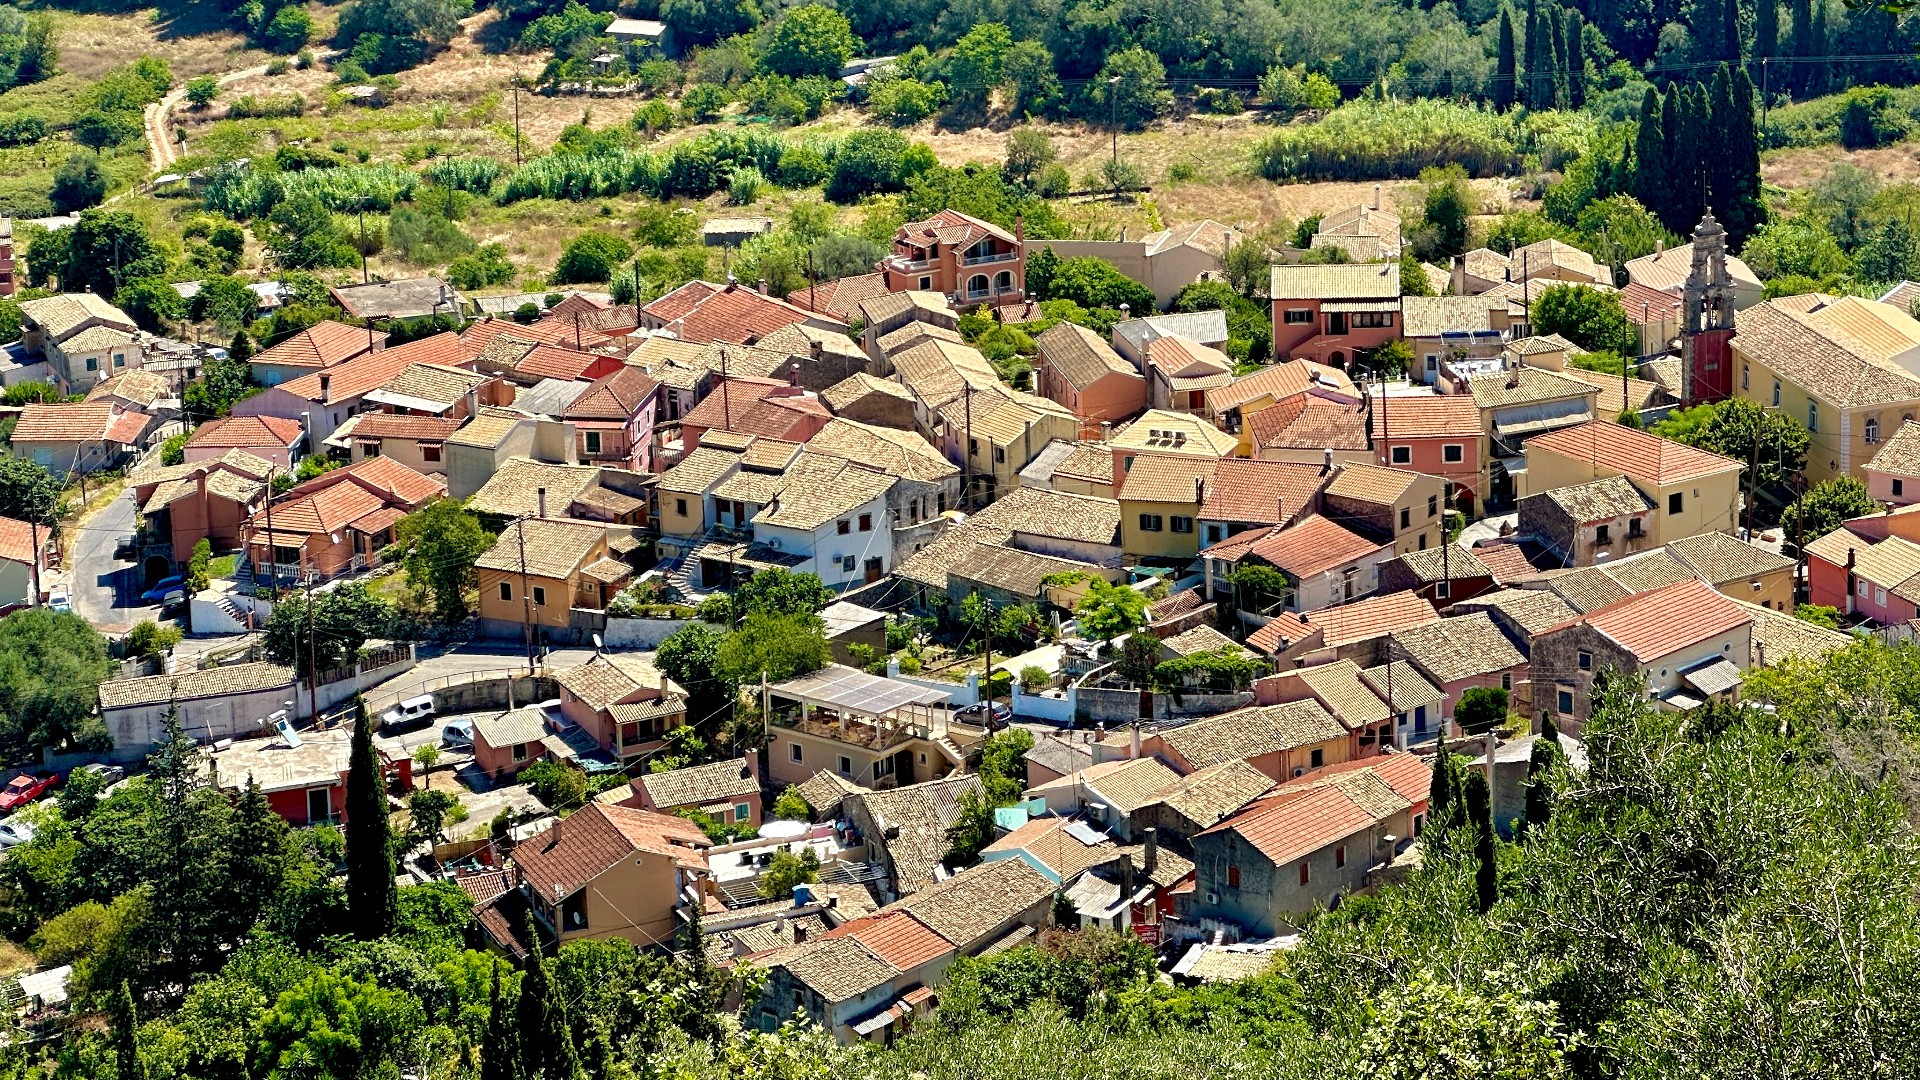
(483, 268)
(590, 258)
(267, 106)
(1367, 139)
(475, 174)
(743, 187)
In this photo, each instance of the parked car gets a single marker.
(13, 831)
(161, 588)
(171, 603)
(981, 711)
(25, 788)
(58, 599)
(457, 735)
(112, 774)
(125, 548)
(410, 715)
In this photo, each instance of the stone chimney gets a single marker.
(1126, 878)
(1150, 836)
(793, 370)
(1326, 463)
(540, 501)
(815, 348)
(1106, 431)
(1133, 743)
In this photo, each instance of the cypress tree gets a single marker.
(1505, 65)
(1746, 210)
(1650, 156)
(1576, 59)
(1557, 34)
(1486, 876)
(1802, 45)
(499, 1047)
(1530, 95)
(370, 868)
(1539, 805)
(1440, 790)
(1720, 116)
(126, 1051)
(1766, 29)
(545, 1037)
(1817, 72)
(1730, 31)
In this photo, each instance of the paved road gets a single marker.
(106, 590)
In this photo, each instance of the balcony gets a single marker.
(908, 266)
(988, 260)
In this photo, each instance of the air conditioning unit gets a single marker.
(1299, 772)
(773, 542)
(1213, 898)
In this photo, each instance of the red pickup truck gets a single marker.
(24, 789)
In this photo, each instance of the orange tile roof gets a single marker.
(1313, 546)
(578, 303)
(618, 395)
(1508, 562)
(751, 406)
(388, 475)
(244, 432)
(16, 540)
(1306, 422)
(1348, 623)
(677, 303)
(952, 228)
(376, 369)
(1645, 305)
(1654, 624)
(550, 361)
(323, 344)
(395, 426)
(1409, 775)
(1643, 457)
(80, 421)
(126, 427)
(1288, 825)
(1248, 490)
(737, 315)
(597, 838)
(896, 937)
(840, 297)
(1422, 416)
(552, 331)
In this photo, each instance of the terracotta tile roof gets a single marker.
(1166, 432)
(1531, 610)
(1649, 307)
(858, 387)
(1401, 686)
(1183, 361)
(1541, 345)
(514, 488)
(1487, 264)
(734, 314)
(560, 862)
(388, 477)
(1654, 624)
(916, 333)
(1778, 636)
(1372, 483)
(1338, 686)
(1647, 458)
(840, 297)
(61, 315)
(1598, 500)
(936, 371)
(1425, 416)
(1349, 623)
(700, 470)
(191, 685)
(820, 488)
(1335, 281)
(1199, 639)
(1667, 270)
(487, 428)
(554, 549)
(610, 678)
(422, 382)
(247, 431)
(1508, 561)
(140, 388)
(80, 421)
(1295, 822)
(1010, 569)
(1586, 588)
(16, 540)
(1253, 731)
(374, 370)
(896, 937)
(1432, 316)
(1842, 371)
(1451, 562)
(952, 229)
(618, 396)
(1314, 546)
(1531, 386)
(1639, 393)
(1046, 841)
(1649, 570)
(125, 427)
(1307, 422)
(323, 344)
(1126, 784)
(922, 813)
(900, 453)
(1260, 492)
(1535, 258)
(1167, 478)
(1211, 794)
(697, 785)
(1276, 381)
(677, 303)
(1899, 454)
(1004, 416)
(1081, 356)
(1722, 559)
(754, 407)
(396, 426)
(973, 904)
(823, 792)
(1458, 648)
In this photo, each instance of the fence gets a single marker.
(1046, 706)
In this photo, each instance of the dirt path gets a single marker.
(162, 151)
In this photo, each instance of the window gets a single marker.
(369, 448)
(1402, 455)
(742, 811)
(1743, 376)
(1233, 876)
(926, 283)
(1433, 362)
(1872, 431)
(1603, 534)
(1453, 453)
(1635, 529)
(977, 285)
(1433, 506)
(847, 562)
(1776, 393)
(1423, 541)
(793, 752)
(866, 522)
(429, 451)
(1506, 680)
(1586, 660)
(1296, 316)
(506, 591)
(1813, 416)
(846, 765)
(1879, 595)
(843, 526)
(1317, 758)
(680, 507)
(973, 447)
(593, 442)
(1442, 590)
(1213, 531)
(1406, 517)
(119, 359)
(519, 751)
(1306, 872)
(539, 596)
(1370, 319)
(1862, 588)
(1564, 701)
(1340, 857)
(1150, 522)
(1000, 455)
(1675, 502)
(1182, 524)
(93, 364)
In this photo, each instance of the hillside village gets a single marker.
(969, 620)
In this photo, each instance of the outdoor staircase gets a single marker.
(952, 750)
(679, 576)
(231, 610)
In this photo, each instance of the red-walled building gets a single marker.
(305, 784)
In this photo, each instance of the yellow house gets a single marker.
(683, 491)
(1692, 491)
(1159, 502)
(995, 433)
(1408, 506)
(1845, 368)
(541, 570)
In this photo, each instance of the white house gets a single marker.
(833, 514)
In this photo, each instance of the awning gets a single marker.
(878, 1020)
(1715, 677)
(1681, 700)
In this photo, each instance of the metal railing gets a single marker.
(987, 260)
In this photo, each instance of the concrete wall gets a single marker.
(1095, 705)
(639, 633)
(477, 695)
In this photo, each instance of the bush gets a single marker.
(267, 106)
(703, 104)
(474, 174)
(290, 29)
(590, 258)
(1367, 139)
(485, 267)
(151, 640)
(904, 102)
(1034, 678)
(78, 184)
(425, 236)
(743, 187)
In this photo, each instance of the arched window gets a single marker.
(977, 285)
(1813, 416)
(1873, 430)
(1003, 281)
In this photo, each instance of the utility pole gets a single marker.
(33, 568)
(1113, 122)
(1753, 467)
(313, 661)
(966, 455)
(517, 159)
(273, 590)
(986, 637)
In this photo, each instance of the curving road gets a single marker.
(162, 151)
(106, 590)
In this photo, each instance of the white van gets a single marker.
(410, 715)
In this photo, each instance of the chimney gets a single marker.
(540, 497)
(1513, 376)
(815, 348)
(1659, 248)
(1150, 836)
(326, 385)
(1199, 489)
(793, 371)
(1326, 463)
(473, 401)
(799, 928)
(1124, 309)
(1106, 431)
(1376, 196)
(553, 834)
(1126, 878)
(1133, 743)
(749, 765)
(763, 286)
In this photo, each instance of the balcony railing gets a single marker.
(985, 260)
(897, 263)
